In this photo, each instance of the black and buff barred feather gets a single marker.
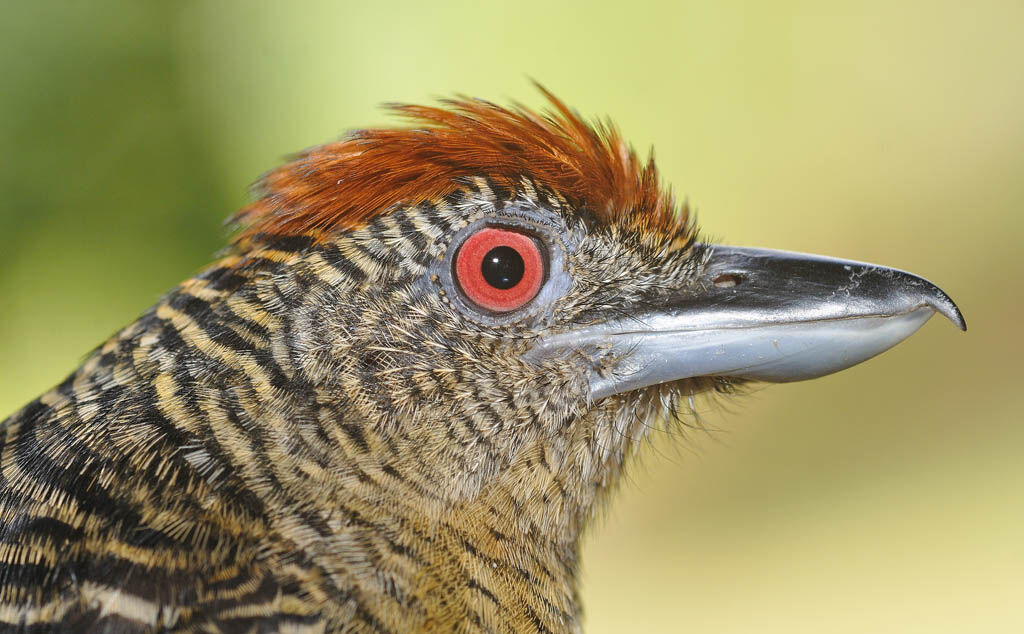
(316, 435)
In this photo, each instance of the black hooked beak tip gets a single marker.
(780, 286)
(759, 314)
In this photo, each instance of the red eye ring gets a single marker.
(505, 282)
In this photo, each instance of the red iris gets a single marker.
(498, 269)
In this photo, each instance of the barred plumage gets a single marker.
(320, 433)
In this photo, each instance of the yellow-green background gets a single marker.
(887, 498)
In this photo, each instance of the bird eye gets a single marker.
(498, 269)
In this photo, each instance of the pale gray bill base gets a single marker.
(757, 314)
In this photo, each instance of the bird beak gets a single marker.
(757, 314)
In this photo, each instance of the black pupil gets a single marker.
(503, 267)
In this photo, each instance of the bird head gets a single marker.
(395, 402)
(490, 307)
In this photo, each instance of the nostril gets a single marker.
(727, 280)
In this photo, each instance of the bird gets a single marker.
(398, 398)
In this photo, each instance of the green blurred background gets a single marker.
(886, 498)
